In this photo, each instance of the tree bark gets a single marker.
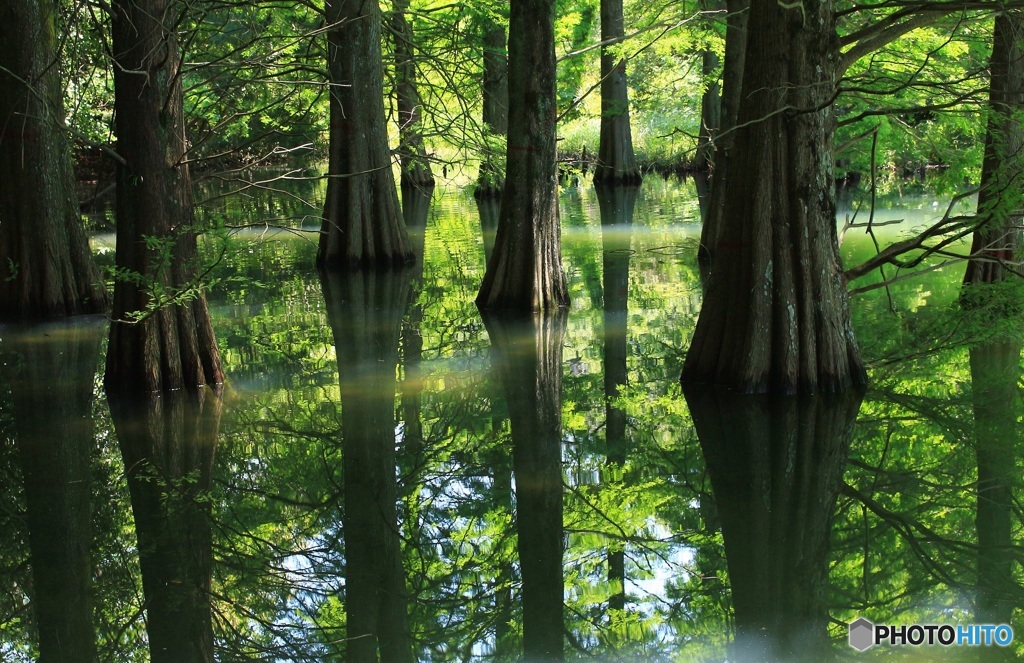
(997, 239)
(616, 163)
(46, 269)
(775, 316)
(776, 466)
(52, 372)
(172, 346)
(365, 311)
(168, 442)
(528, 351)
(415, 166)
(737, 12)
(490, 181)
(525, 270)
(362, 224)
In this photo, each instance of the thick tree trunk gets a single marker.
(365, 311)
(776, 465)
(616, 163)
(995, 370)
(362, 224)
(525, 271)
(172, 346)
(528, 351)
(54, 370)
(46, 270)
(415, 166)
(495, 108)
(997, 239)
(737, 12)
(168, 442)
(775, 316)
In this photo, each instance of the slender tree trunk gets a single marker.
(46, 270)
(365, 311)
(997, 239)
(737, 12)
(53, 426)
(415, 166)
(362, 224)
(490, 181)
(616, 163)
(172, 346)
(776, 465)
(775, 316)
(528, 351)
(168, 442)
(710, 113)
(525, 270)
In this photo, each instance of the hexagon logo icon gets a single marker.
(862, 634)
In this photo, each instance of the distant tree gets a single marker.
(415, 166)
(161, 337)
(525, 270)
(46, 269)
(495, 104)
(616, 163)
(362, 224)
(775, 316)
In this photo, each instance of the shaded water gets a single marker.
(387, 468)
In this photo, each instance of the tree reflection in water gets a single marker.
(776, 466)
(168, 442)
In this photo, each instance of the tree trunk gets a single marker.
(776, 465)
(415, 166)
(365, 311)
(168, 442)
(362, 224)
(52, 372)
(616, 163)
(775, 316)
(710, 113)
(490, 181)
(737, 12)
(997, 239)
(172, 345)
(525, 270)
(528, 351)
(46, 270)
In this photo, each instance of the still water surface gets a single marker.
(388, 471)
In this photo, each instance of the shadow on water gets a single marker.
(776, 466)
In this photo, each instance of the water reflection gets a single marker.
(776, 466)
(536, 485)
(365, 311)
(50, 371)
(995, 371)
(168, 442)
(528, 352)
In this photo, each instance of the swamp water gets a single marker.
(387, 466)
